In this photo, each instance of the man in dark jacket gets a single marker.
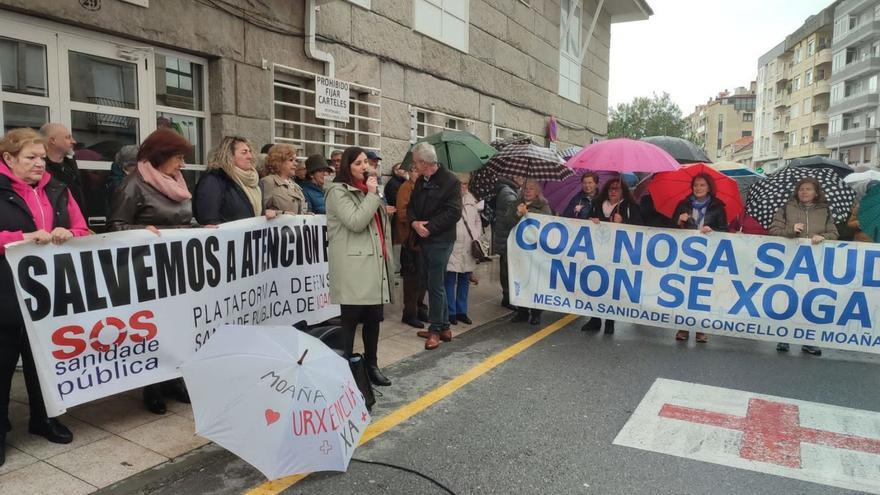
(60, 161)
(506, 194)
(434, 211)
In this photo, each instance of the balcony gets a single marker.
(856, 102)
(857, 69)
(856, 35)
(781, 100)
(823, 56)
(780, 125)
(781, 74)
(821, 87)
(820, 114)
(851, 137)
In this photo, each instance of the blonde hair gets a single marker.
(277, 155)
(16, 139)
(463, 177)
(223, 156)
(537, 184)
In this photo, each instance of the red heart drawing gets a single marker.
(272, 416)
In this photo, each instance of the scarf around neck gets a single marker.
(700, 207)
(249, 181)
(172, 187)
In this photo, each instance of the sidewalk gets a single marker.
(115, 437)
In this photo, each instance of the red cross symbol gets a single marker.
(326, 447)
(772, 432)
(364, 417)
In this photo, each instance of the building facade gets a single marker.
(115, 70)
(723, 120)
(853, 129)
(771, 116)
(794, 95)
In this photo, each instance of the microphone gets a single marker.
(379, 190)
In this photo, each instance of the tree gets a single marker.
(656, 116)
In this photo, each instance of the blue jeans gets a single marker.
(435, 257)
(456, 297)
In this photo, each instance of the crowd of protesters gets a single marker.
(422, 226)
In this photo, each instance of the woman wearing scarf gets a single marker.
(359, 237)
(231, 188)
(155, 196)
(37, 208)
(614, 204)
(531, 200)
(704, 212)
(806, 216)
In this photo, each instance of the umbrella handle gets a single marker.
(300, 362)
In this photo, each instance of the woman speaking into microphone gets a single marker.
(359, 238)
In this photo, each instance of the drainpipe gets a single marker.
(312, 51)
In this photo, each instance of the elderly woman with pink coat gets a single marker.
(462, 262)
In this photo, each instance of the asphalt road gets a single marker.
(544, 421)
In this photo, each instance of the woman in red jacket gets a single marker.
(33, 207)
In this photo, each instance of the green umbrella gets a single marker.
(869, 213)
(457, 151)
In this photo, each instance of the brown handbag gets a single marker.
(476, 248)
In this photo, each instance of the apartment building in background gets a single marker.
(114, 70)
(740, 151)
(853, 128)
(794, 88)
(723, 120)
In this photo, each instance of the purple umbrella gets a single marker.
(559, 193)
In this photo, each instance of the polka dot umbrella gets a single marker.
(767, 196)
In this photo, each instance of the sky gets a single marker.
(692, 49)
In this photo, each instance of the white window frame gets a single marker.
(59, 40)
(450, 12)
(423, 123)
(357, 130)
(20, 32)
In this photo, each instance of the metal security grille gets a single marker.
(499, 133)
(294, 121)
(425, 122)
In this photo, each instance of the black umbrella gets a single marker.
(682, 150)
(819, 161)
(770, 194)
(499, 144)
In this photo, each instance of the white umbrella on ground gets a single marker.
(278, 398)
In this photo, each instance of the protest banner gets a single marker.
(765, 288)
(113, 312)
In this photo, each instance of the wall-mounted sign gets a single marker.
(332, 99)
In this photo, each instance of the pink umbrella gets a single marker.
(624, 155)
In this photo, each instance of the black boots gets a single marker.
(153, 400)
(592, 325)
(377, 377)
(609, 327)
(51, 429)
(176, 390)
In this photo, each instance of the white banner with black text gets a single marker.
(112, 312)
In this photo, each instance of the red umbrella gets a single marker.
(669, 188)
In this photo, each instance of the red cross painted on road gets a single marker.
(772, 432)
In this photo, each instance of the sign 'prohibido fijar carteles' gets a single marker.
(332, 99)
